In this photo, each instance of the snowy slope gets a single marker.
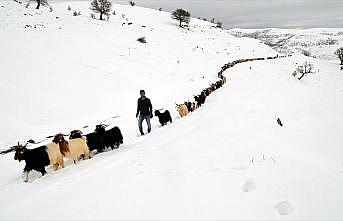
(317, 42)
(227, 160)
(90, 68)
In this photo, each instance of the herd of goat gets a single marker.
(188, 106)
(81, 146)
(78, 147)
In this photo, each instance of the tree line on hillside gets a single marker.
(104, 7)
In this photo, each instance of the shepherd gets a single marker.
(144, 111)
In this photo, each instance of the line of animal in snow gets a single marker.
(188, 106)
(233, 63)
(78, 147)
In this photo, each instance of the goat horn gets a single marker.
(16, 147)
(31, 141)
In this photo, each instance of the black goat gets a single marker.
(94, 140)
(164, 118)
(219, 84)
(189, 106)
(113, 137)
(200, 99)
(197, 99)
(35, 159)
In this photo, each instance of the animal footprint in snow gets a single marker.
(284, 208)
(139, 172)
(240, 168)
(249, 185)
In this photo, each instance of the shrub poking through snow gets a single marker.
(306, 53)
(182, 16)
(142, 40)
(294, 73)
(279, 122)
(132, 3)
(69, 8)
(39, 3)
(219, 24)
(303, 70)
(93, 15)
(101, 6)
(75, 13)
(20, 2)
(339, 54)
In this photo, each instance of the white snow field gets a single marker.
(227, 160)
(315, 42)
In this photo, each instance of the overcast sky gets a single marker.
(258, 13)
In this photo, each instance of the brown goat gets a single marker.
(182, 109)
(73, 149)
(64, 147)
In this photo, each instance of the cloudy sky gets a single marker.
(258, 13)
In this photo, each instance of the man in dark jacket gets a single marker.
(144, 111)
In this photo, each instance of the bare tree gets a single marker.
(305, 69)
(39, 3)
(219, 24)
(339, 54)
(101, 6)
(142, 40)
(279, 122)
(181, 15)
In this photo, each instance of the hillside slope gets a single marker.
(227, 160)
(70, 71)
(315, 42)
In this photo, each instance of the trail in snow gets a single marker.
(220, 74)
(229, 160)
(196, 161)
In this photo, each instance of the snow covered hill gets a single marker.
(227, 160)
(316, 42)
(70, 71)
